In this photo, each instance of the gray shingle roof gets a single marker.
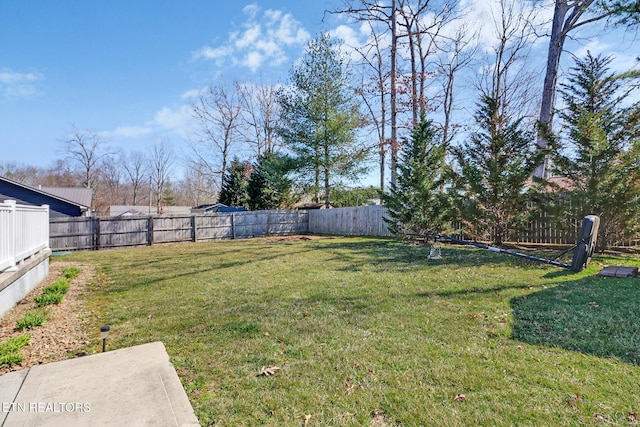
(79, 195)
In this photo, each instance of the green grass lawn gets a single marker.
(369, 331)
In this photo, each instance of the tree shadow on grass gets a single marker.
(592, 315)
(392, 252)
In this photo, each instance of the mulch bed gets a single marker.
(63, 335)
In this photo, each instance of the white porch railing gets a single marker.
(24, 231)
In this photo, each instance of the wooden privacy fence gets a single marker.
(360, 221)
(112, 232)
(369, 221)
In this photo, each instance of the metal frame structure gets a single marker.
(582, 251)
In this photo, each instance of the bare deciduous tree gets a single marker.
(136, 171)
(161, 163)
(260, 114)
(505, 78)
(457, 53)
(218, 114)
(386, 17)
(374, 91)
(86, 149)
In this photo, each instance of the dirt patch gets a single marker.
(297, 238)
(62, 336)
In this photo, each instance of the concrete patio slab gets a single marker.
(134, 386)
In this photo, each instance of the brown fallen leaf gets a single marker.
(593, 304)
(460, 398)
(267, 371)
(307, 418)
(598, 417)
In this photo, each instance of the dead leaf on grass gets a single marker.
(266, 372)
(378, 419)
(593, 304)
(598, 417)
(307, 418)
(460, 398)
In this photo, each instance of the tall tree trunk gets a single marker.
(393, 107)
(414, 81)
(547, 103)
(565, 18)
(326, 176)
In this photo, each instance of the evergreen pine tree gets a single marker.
(269, 187)
(319, 119)
(494, 168)
(167, 195)
(601, 153)
(417, 203)
(234, 184)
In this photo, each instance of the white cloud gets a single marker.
(483, 17)
(169, 119)
(191, 94)
(595, 46)
(165, 121)
(130, 132)
(248, 37)
(19, 85)
(251, 10)
(214, 53)
(263, 40)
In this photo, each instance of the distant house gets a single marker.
(217, 208)
(63, 202)
(131, 210)
(305, 206)
(555, 183)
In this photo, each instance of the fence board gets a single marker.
(112, 232)
(97, 233)
(361, 220)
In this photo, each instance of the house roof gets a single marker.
(556, 183)
(80, 195)
(83, 206)
(118, 210)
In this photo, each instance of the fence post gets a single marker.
(45, 226)
(97, 222)
(150, 230)
(268, 223)
(12, 234)
(194, 228)
(233, 225)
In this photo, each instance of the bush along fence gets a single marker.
(111, 232)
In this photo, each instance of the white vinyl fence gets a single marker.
(24, 231)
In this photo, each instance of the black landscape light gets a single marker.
(104, 333)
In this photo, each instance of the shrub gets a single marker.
(49, 298)
(71, 272)
(10, 359)
(53, 294)
(60, 286)
(33, 319)
(9, 350)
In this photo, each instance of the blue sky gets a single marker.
(129, 69)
